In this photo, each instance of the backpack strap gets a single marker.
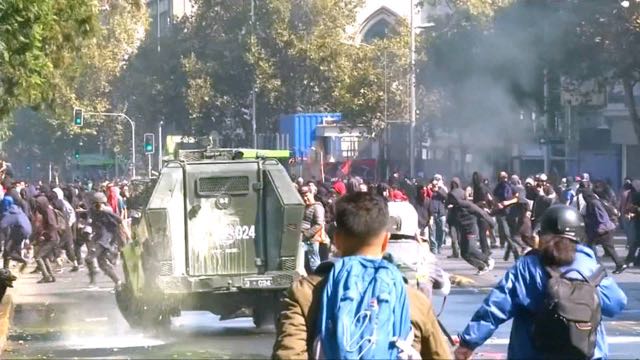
(597, 276)
(553, 272)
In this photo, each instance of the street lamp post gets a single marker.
(133, 136)
(412, 128)
(412, 116)
(160, 146)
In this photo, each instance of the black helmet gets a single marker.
(562, 220)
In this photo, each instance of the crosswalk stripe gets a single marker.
(610, 340)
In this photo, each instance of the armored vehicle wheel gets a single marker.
(264, 316)
(140, 315)
(265, 313)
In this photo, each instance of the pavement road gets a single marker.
(67, 319)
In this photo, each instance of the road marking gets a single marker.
(96, 319)
(610, 340)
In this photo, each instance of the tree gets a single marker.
(37, 40)
(81, 71)
(297, 53)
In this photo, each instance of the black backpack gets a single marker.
(566, 327)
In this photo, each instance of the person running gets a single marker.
(361, 233)
(47, 237)
(600, 229)
(104, 240)
(465, 214)
(484, 199)
(521, 293)
(16, 228)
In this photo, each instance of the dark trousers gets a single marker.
(66, 245)
(483, 228)
(469, 250)
(634, 244)
(606, 240)
(515, 244)
(503, 229)
(454, 233)
(12, 250)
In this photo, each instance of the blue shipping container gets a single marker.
(301, 129)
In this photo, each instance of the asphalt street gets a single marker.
(68, 319)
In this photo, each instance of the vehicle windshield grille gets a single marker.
(223, 185)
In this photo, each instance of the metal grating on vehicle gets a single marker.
(190, 155)
(288, 263)
(282, 280)
(223, 185)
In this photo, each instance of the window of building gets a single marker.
(349, 146)
(378, 30)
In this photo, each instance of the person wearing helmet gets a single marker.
(103, 245)
(520, 295)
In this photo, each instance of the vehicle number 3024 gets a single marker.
(241, 232)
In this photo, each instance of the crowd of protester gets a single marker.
(480, 217)
(53, 225)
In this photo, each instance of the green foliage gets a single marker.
(86, 46)
(297, 53)
(38, 40)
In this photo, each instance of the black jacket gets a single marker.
(465, 213)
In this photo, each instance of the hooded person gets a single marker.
(46, 235)
(465, 214)
(16, 228)
(633, 214)
(112, 199)
(438, 211)
(66, 234)
(600, 229)
(339, 187)
(104, 239)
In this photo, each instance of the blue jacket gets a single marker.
(521, 293)
(16, 220)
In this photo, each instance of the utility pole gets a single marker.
(158, 23)
(253, 86)
(133, 136)
(412, 128)
(160, 146)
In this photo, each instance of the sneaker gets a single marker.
(620, 269)
(75, 268)
(483, 271)
(492, 264)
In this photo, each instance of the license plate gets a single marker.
(257, 282)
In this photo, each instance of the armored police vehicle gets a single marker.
(220, 233)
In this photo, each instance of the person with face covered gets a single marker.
(466, 215)
(504, 197)
(599, 228)
(104, 240)
(484, 199)
(438, 213)
(16, 227)
(47, 237)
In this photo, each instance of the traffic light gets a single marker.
(76, 154)
(78, 117)
(149, 143)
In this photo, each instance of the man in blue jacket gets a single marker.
(15, 227)
(521, 293)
